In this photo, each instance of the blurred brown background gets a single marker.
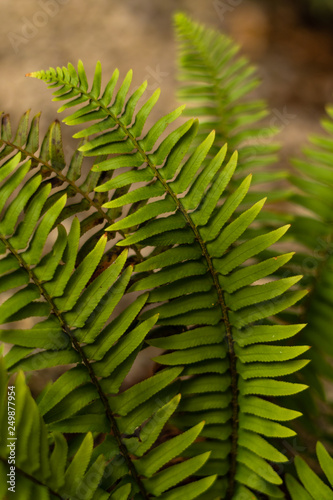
(291, 45)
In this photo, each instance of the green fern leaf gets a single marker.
(158, 457)
(312, 486)
(220, 243)
(52, 163)
(62, 304)
(37, 471)
(215, 83)
(312, 179)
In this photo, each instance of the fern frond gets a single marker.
(312, 177)
(67, 179)
(211, 289)
(310, 485)
(200, 282)
(215, 84)
(69, 317)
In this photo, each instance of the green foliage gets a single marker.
(216, 84)
(319, 10)
(312, 486)
(199, 279)
(69, 302)
(313, 179)
(312, 231)
(41, 457)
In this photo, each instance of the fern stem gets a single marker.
(71, 183)
(76, 345)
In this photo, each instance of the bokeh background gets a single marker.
(290, 41)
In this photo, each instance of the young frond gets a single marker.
(215, 84)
